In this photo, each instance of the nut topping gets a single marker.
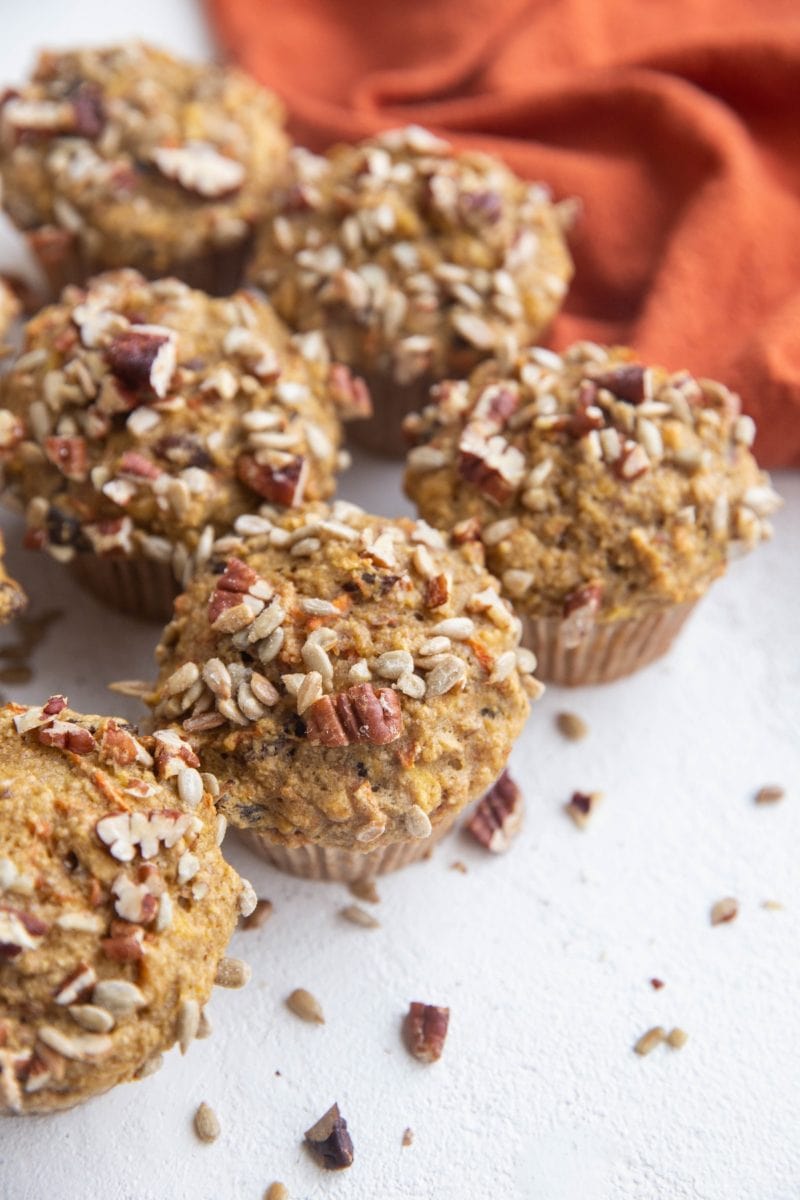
(363, 713)
(580, 612)
(498, 818)
(329, 1141)
(200, 168)
(19, 931)
(144, 358)
(282, 483)
(425, 1030)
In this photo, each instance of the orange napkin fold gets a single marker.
(676, 122)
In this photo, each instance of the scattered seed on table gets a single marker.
(259, 916)
(206, 1125)
(773, 905)
(232, 973)
(571, 726)
(364, 889)
(359, 916)
(656, 984)
(408, 1137)
(277, 1191)
(459, 866)
(724, 910)
(770, 793)
(648, 1041)
(677, 1038)
(305, 1006)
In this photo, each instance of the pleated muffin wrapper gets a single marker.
(607, 651)
(336, 865)
(392, 402)
(138, 586)
(64, 260)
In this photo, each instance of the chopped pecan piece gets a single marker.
(54, 706)
(437, 591)
(282, 483)
(200, 168)
(425, 1030)
(143, 358)
(19, 931)
(237, 576)
(498, 818)
(580, 612)
(329, 1141)
(89, 117)
(632, 462)
(136, 464)
(629, 382)
(65, 735)
(581, 806)
(123, 947)
(118, 745)
(69, 455)
(349, 393)
(587, 414)
(220, 601)
(468, 530)
(495, 405)
(491, 465)
(361, 714)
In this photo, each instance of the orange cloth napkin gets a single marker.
(677, 123)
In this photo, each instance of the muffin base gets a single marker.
(612, 650)
(382, 433)
(344, 866)
(64, 260)
(140, 587)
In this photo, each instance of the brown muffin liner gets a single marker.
(610, 651)
(345, 866)
(64, 260)
(382, 433)
(140, 587)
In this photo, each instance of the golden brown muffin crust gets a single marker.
(351, 679)
(143, 418)
(415, 258)
(591, 476)
(141, 157)
(115, 902)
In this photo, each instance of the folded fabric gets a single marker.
(674, 122)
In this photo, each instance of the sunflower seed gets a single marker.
(232, 973)
(305, 1006)
(206, 1125)
(359, 916)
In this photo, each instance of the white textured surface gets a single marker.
(543, 956)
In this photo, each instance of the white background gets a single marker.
(543, 956)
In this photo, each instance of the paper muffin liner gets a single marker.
(218, 271)
(140, 587)
(382, 433)
(345, 866)
(611, 650)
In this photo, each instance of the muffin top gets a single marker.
(115, 902)
(592, 481)
(415, 259)
(352, 680)
(138, 154)
(143, 418)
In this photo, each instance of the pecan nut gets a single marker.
(329, 1141)
(498, 818)
(282, 483)
(200, 168)
(425, 1030)
(630, 382)
(363, 713)
(19, 931)
(69, 455)
(143, 358)
(491, 465)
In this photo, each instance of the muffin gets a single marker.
(353, 682)
(12, 598)
(143, 418)
(128, 157)
(115, 903)
(418, 262)
(607, 496)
